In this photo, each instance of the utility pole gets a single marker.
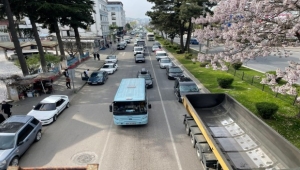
(15, 38)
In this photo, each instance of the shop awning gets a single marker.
(11, 46)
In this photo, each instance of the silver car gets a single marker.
(139, 58)
(165, 62)
(17, 133)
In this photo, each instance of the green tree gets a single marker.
(79, 17)
(127, 26)
(5, 9)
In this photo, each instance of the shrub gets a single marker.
(203, 64)
(237, 65)
(175, 47)
(225, 82)
(179, 51)
(188, 55)
(266, 110)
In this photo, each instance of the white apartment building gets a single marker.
(116, 13)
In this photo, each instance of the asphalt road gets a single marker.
(85, 133)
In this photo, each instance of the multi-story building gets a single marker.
(116, 14)
(101, 26)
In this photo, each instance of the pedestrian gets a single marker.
(6, 108)
(107, 46)
(98, 56)
(2, 118)
(86, 72)
(68, 82)
(95, 55)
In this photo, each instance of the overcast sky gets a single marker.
(136, 8)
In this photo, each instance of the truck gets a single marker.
(228, 136)
(150, 36)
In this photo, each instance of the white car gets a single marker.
(111, 59)
(138, 50)
(49, 108)
(155, 47)
(160, 54)
(165, 62)
(110, 68)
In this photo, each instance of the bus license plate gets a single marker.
(130, 123)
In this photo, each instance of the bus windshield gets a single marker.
(129, 108)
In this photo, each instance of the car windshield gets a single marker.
(145, 76)
(161, 54)
(111, 57)
(129, 108)
(175, 70)
(139, 56)
(45, 107)
(188, 88)
(107, 66)
(155, 46)
(96, 75)
(165, 61)
(7, 142)
(158, 44)
(138, 49)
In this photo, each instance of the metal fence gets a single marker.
(255, 81)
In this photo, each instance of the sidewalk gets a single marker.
(24, 106)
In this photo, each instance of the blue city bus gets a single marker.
(130, 105)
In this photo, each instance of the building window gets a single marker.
(113, 13)
(113, 8)
(4, 38)
(114, 23)
(113, 18)
(3, 28)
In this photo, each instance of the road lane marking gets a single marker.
(105, 145)
(123, 54)
(166, 117)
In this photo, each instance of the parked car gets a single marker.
(17, 133)
(184, 86)
(121, 46)
(124, 42)
(98, 77)
(174, 72)
(160, 54)
(139, 58)
(155, 47)
(147, 76)
(110, 68)
(194, 41)
(165, 62)
(48, 110)
(111, 59)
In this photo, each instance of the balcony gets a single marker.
(113, 18)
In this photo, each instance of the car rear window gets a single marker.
(175, 70)
(45, 107)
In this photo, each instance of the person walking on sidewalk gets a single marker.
(95, 55)
(68, 82)
(6, 108)
(98, 56)
(86, 72)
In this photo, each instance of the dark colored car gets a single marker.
(140, 58)
(147, 76)
(17, 134)
(174, 72)
(184, 86)
(157, 43)
(98, 77)
(121, 46)
(194, 41)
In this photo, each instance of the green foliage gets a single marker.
(179, 51)
(188, 55)
(127, 26)
(237, 65)
(34, 61)
(203, 64)
(225, 82)
(266, 109)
